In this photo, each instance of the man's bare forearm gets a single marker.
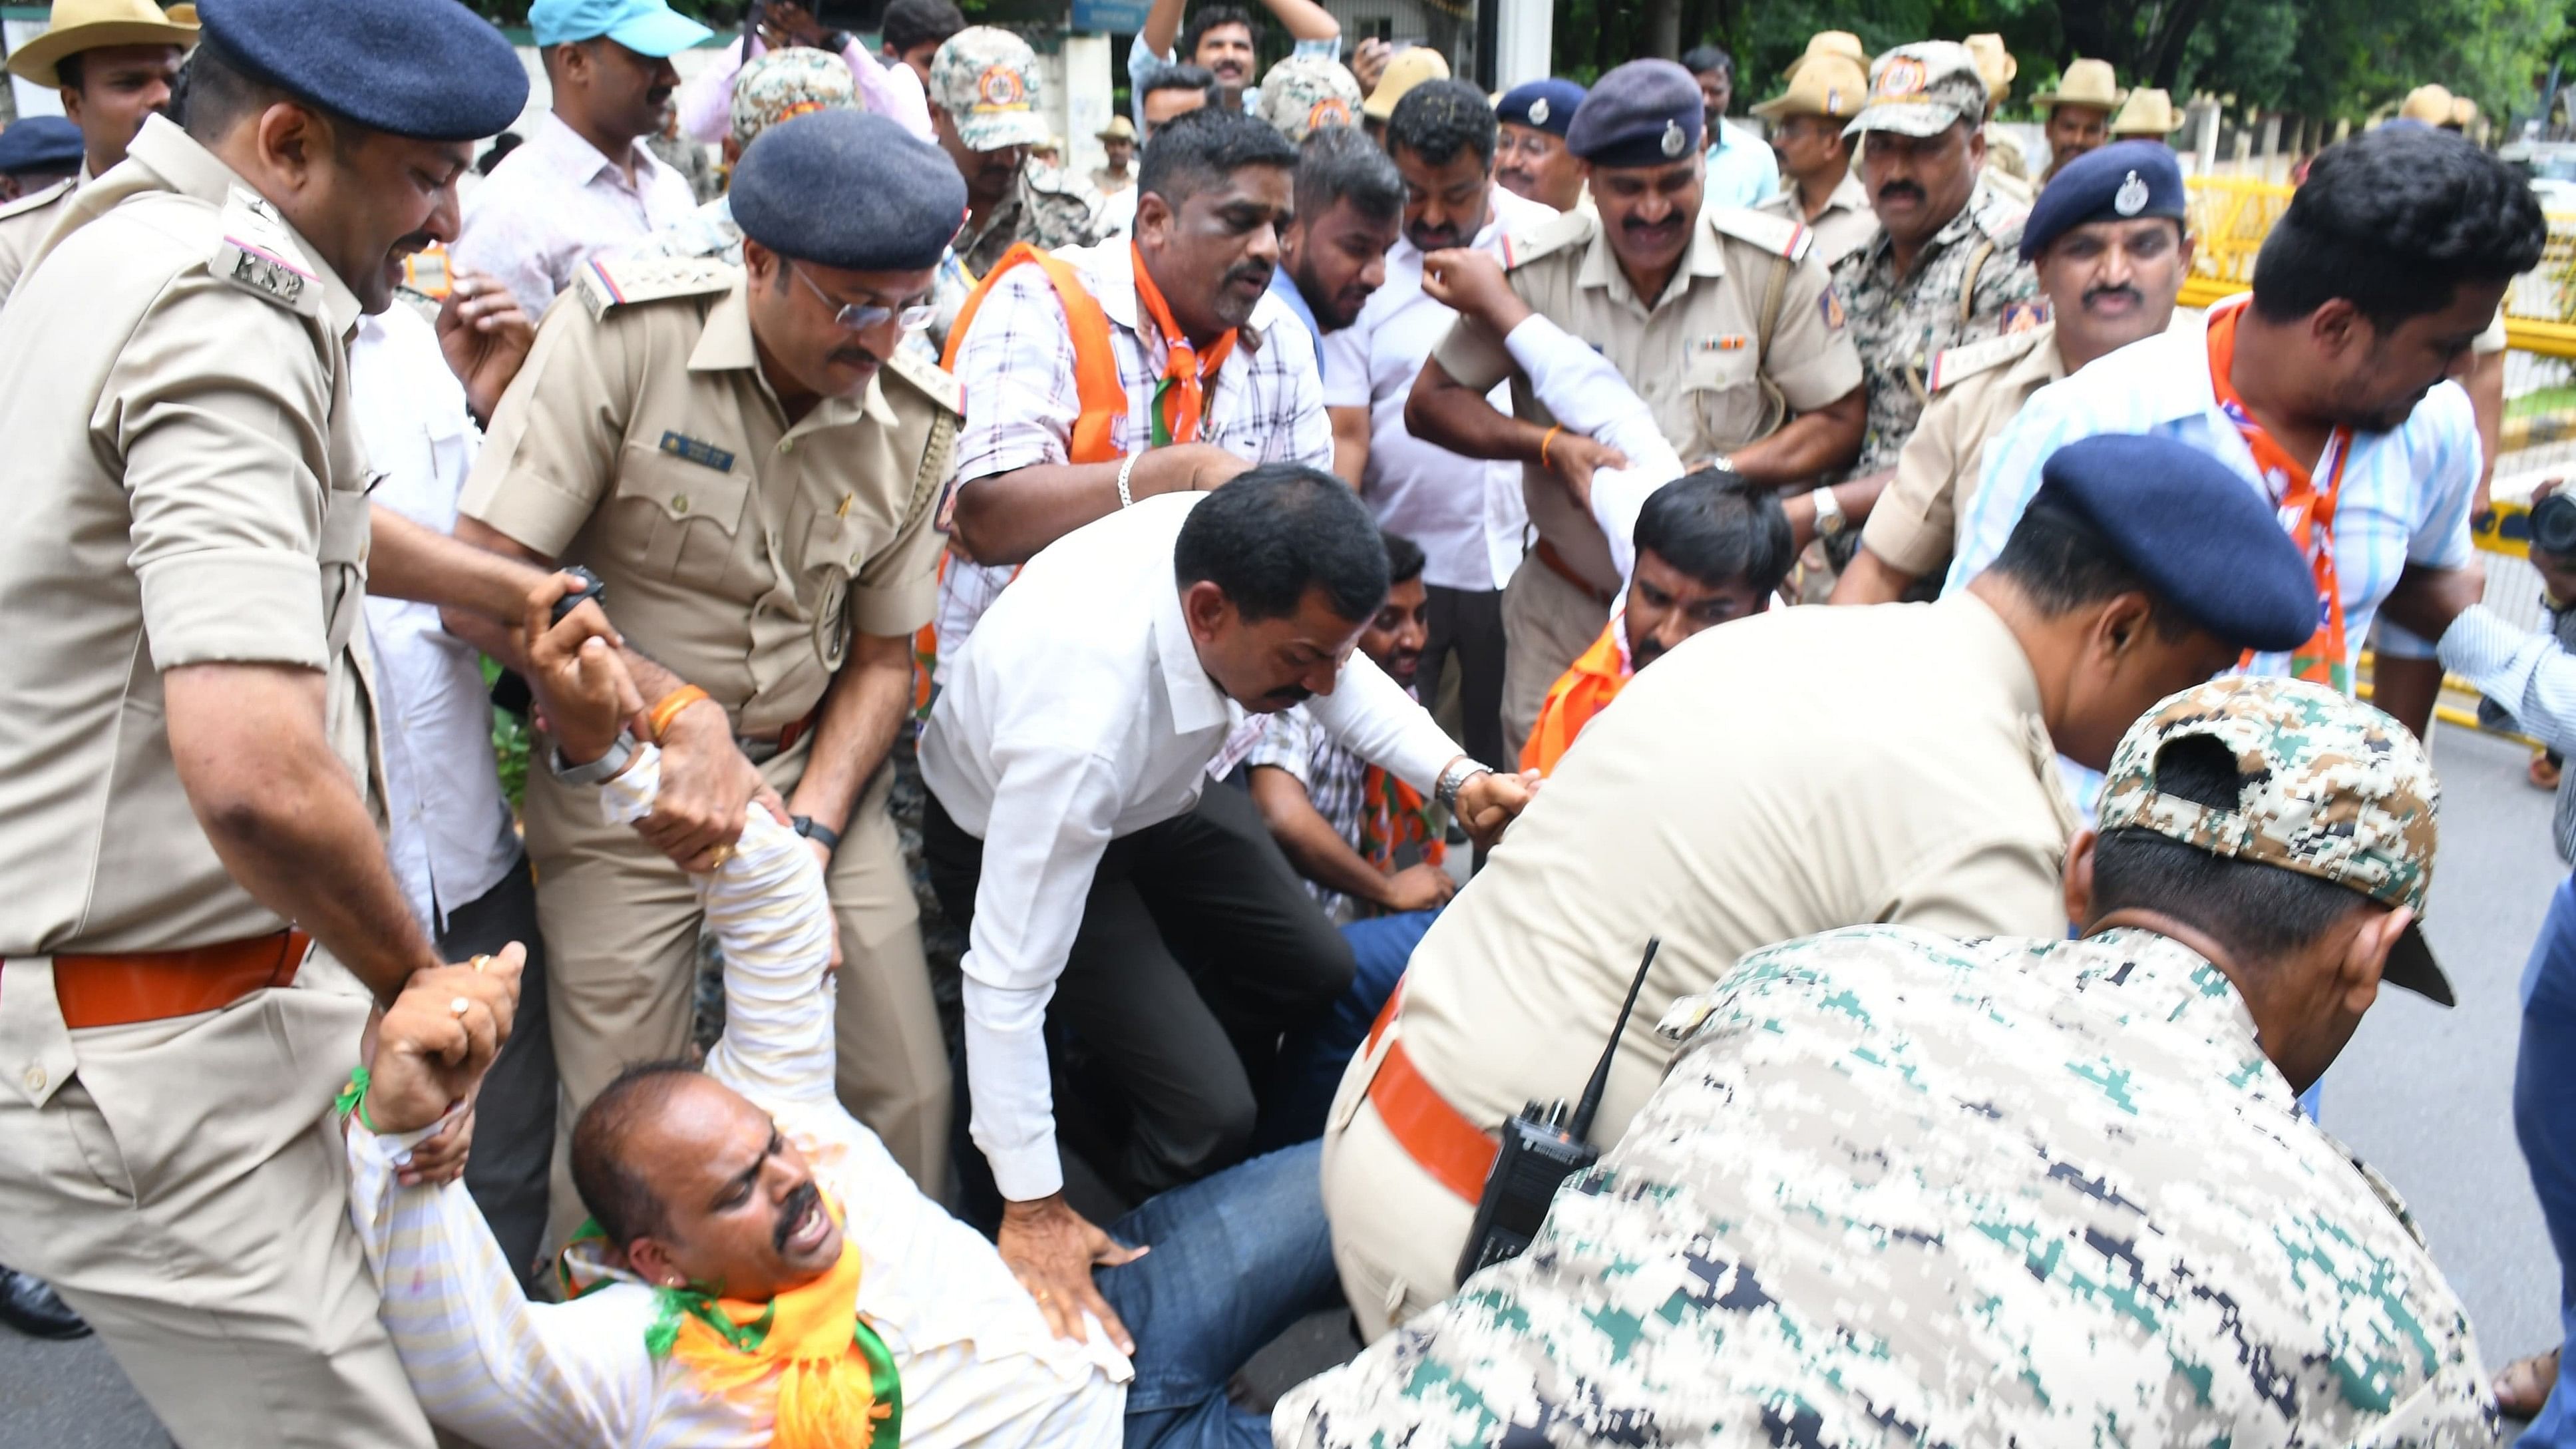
(860, 716)
(1309, 841)
(284, 816)
(1005, 518)
(1857, 497)
(408, 561)
(2407, 689)
(1869, 579)
(1442, 411)
(1809, 445)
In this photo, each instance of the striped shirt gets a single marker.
(978, 1362)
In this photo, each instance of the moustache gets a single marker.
(1293, 694)
(2136, 298)
(656, 96)
(801, 1200)
(1894, 189)
(1257, 273)
(855, 357)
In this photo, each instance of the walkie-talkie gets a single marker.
(1542, 1147)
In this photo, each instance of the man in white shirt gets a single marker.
(759, 1270)
(1070, 830)
(584, 182)
(451, 836)
(1466, 513)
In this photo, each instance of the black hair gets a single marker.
(2258, 911)
(1436, 119)
(1717, 528)
(910, 23)
(1404, 560)
(2394, 221)
(502, 146)
(1182, 77)
(221, 94)
(1707, 58)
(1278, 531)
(1341, 163)
(69, 71)
(1198, 150)
(1209, 17)
(2063, 563)
(616, 1194)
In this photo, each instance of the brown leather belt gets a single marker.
(1437, 1136)
(140, 986)
(1557, 565)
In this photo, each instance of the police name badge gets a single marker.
(257, 253)
(1675, 143)
(2132, 196)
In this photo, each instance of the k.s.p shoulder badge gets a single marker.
(257, 253)
(605, 284)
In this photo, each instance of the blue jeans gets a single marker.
(2544, 1120)
(1313, 1058)
(1237, 1259)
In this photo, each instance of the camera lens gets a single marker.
(2553, 524)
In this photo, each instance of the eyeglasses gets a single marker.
(860, 316)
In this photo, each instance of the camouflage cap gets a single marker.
(986, 79)
(2332, 788)
(791, 82)
(1305, 93)
(1923, 89)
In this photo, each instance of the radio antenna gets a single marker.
(1584, 1110)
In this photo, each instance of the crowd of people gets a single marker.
(1116, 699)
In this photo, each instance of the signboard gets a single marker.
(1099, 17)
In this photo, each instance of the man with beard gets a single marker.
(1944, 270)
(1465, 512)
(2108, 242)
(1104, 885)
(1530, 159)
(984, 107)
(112, 62)
(1220, 41)
(201, 911)
(1332, 257)
(749, 462)
(2329, 390)
(1727, 325)
(584, 184)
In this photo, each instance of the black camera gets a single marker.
(2553, 525)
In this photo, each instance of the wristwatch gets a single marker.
(1830, 518)
(1454, 779)
(621, 750)
(1723, 462)
(823, 835)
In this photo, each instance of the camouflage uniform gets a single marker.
(1305, 93)
(1049, 211)
(985, 78)
(1899, 1189)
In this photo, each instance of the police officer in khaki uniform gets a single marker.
(2006, 170)
(2108, 242)
(750, 465)
(112, 61)
(1822, 192)
(199, 910)
(1727, 326)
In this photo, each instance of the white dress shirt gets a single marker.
(557, 200)
(978, 1363)
(451, 838)
(1465, 513)
(1079, 713)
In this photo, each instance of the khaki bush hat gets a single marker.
(1994, 62)
(1409, 68)
(1825, 85)
(2085, 83)
(78, 25)
(2148, 112)
(1829, 42)
(2429, 104)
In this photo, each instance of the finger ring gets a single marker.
(460, 1006)
(481, 962)
(1044, 1295)
(722, 854)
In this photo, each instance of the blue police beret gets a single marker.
(849, 189)
(40, 143)
(1542, 105)
(428, 69)
(2119, 182)
(2193, 530)
(1644, 113)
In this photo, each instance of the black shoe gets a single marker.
(30, 1305)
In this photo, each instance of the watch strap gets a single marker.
(805, 825)
(620, 750)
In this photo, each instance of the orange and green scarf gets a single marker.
(2307, 510)
(1180, 399)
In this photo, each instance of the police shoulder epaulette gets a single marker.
(38, 200)
(1969, 359)
(1545, 238)
(627, 281)
(1777, 235)
(256, 252)
(928, 379)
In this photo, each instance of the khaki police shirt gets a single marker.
(642, 441)
(1976, 389)
(187, 487)
(24, 224)
(1845, 225)
(1733, 796)
(1694, 354)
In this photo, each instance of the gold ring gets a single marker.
(480, 963)
(722, 854)
(1043, 1295)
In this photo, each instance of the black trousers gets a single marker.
(1468, 623)
(1197, 949)
(514, 1118)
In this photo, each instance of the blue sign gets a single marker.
(1099, 17)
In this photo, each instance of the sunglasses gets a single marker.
(860, 316)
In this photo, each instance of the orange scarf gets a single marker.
(1180, 399)
(1391, 818)
(2306, 511)
(1578, 694)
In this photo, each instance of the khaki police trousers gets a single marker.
(1547, 624)
(621, 925)
(1397, 1232)
(184, 1185)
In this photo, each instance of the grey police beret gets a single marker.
(429, 69)
(2119, 182)
(2192, 530)
(1644, 113)
(849, 189)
